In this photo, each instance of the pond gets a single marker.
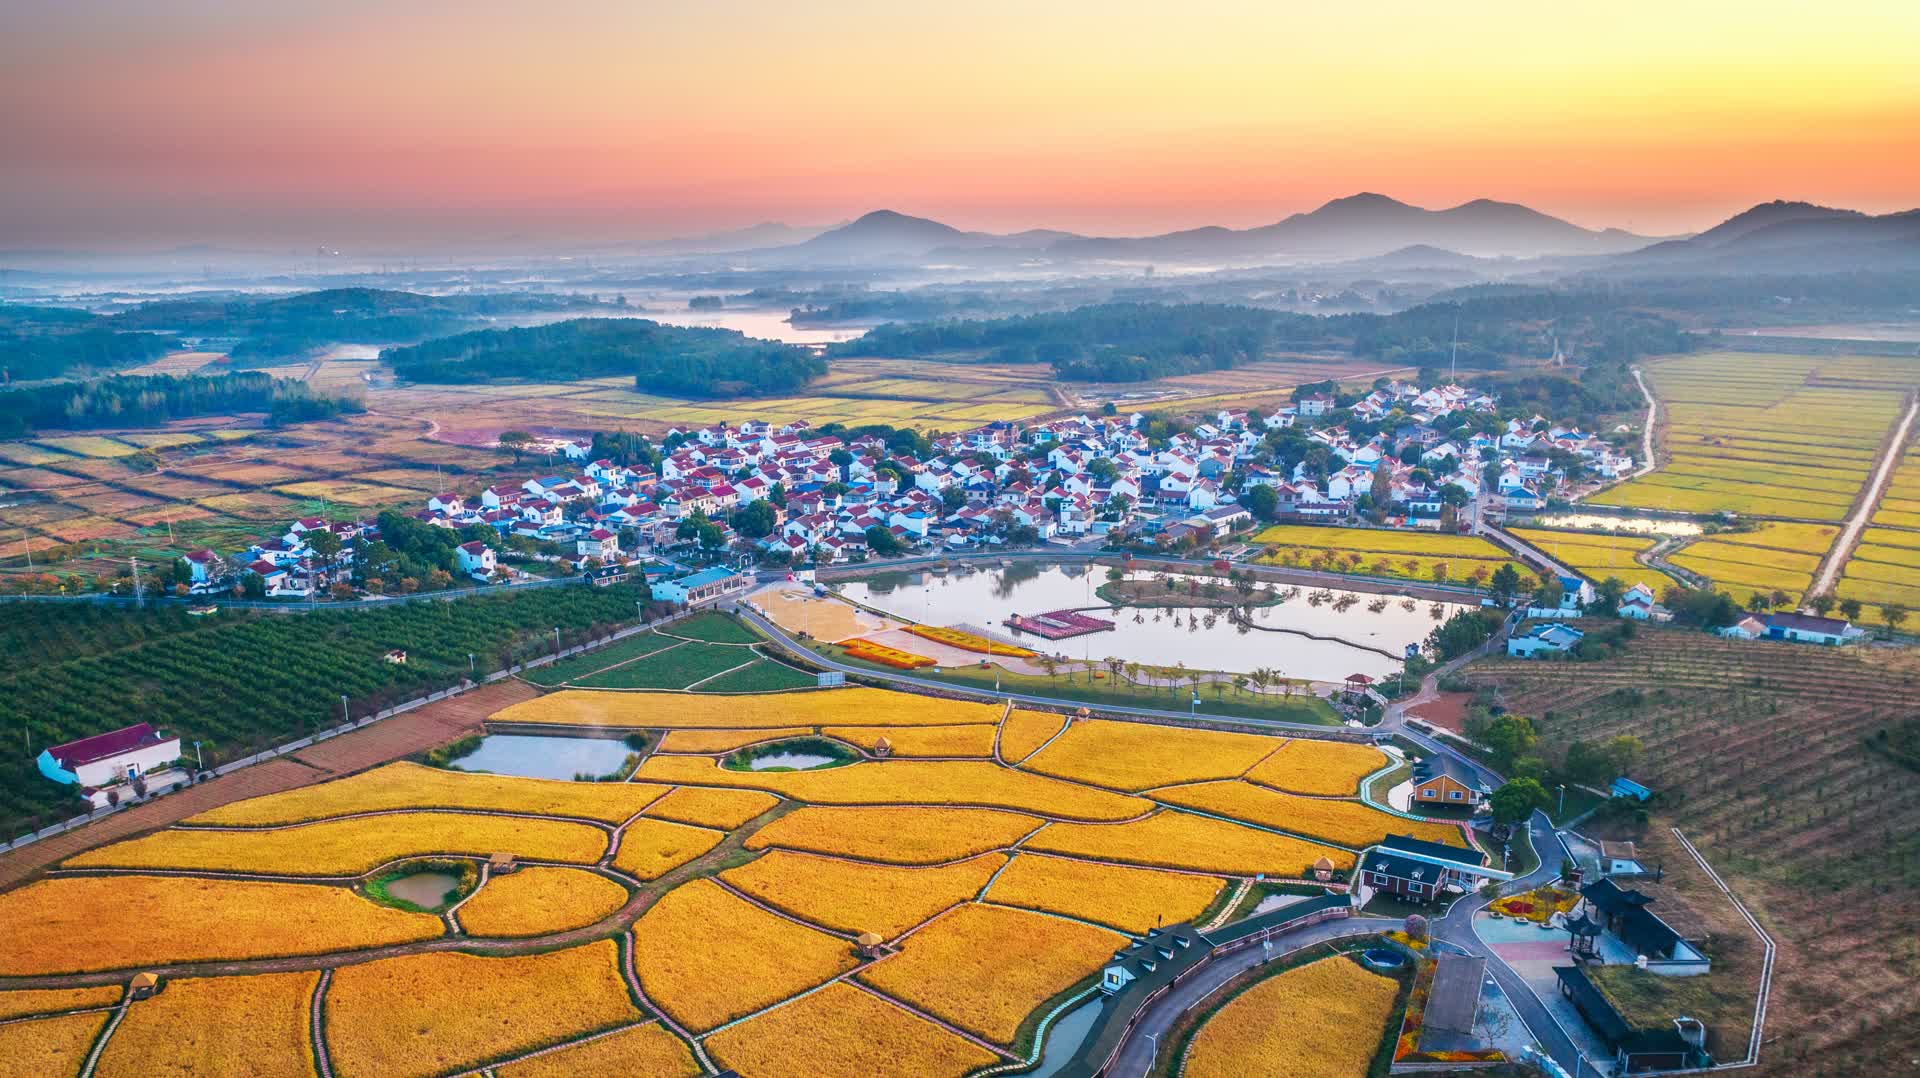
(428, 890)
(790, 761)
(1605, 522)
(1381, 958)
(986, 598)
(1065, 1036)
(534, 757)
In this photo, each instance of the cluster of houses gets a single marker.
(288, 565)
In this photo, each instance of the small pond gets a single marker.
(424, 889)
(1381, 958)
(790, 761)
(1065, 1036)
(1604, 522)
(536, 757)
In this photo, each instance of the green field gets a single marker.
(672, 668)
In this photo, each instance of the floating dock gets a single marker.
(1058, 624)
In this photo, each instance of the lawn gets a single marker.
(714, 629)
(579, 666)
(766, 675)
(672, 668)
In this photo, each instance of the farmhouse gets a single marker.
(706, 584)
(477, 559)
(115, 756)
(1549, 639)
(1442, 779)
(1419, 870)
(1811, 629)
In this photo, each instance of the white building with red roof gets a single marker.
(104, 759)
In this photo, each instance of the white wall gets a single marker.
(102, 772)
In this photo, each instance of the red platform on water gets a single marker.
(1059, 624)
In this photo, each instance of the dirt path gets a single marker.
(1849, 534)
(1647, 461)
(414, 731)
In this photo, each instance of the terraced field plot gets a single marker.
(1407, 555)
(1320, 1020)
(1885, 566)
(1763, 435)
(1599, 555)
(1776, 556)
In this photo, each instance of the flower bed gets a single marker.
(886, 656)
(1407, 1048)
(954, 638)
(1538, 905)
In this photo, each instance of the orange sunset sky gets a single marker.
(388, 124)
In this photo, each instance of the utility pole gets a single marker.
(137, 600)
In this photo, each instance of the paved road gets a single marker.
(1647, 463)
(1143, 1044)
(1837, 556)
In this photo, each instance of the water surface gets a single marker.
(536, 757)
(1603, 522)
(797, 761)
(424, 889)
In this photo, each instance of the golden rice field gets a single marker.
(1025, 731)
(908, 782)
(649, 849)
(1900, 503)
(707, 957)
(1408, 555)
(1135, 756)
(974, 741)
(1320, 1020)
(1183, 840)
(38, 1047)
(843, 1032)
(762, 711)
(647, 1049)
(85, 923)
(536, 900)
(1321, 768)
(1346, 823)
(352, 846)
(1599, 555)
(87, 445)
(725, 740)
(53, 1000)
(431, 1014)
(985, 968)
(1131, 900)
(1885, 567)
(255, 1025)
(406, 785)
(1767, 435)
(856, 897)
(907, 835)
(722, 809)
(1777, 555)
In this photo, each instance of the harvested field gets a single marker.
(1131, 900)
(650, 849)
(1347, 823)
(722, 809)
(843, 1032)
(1135, 756)
(872, 707)
(797, 610)
(900, 835)
(1184, 841)
(258, 1025)
(537, 900)
(1320, 768)
(404, 785)
(852, 897)
(99, 922)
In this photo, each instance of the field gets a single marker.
(1885, 567)
(897, 835)
(537, 900)
(42, 1046)
(1320, 1020)
(1025, 731)
(406, 785)
(1773, 557)
(975, 741)
(1405, 555)
(843, 1032)
(434, 1013)
(984, 968)
(53, 1000)
(854, 897)
(651, 848)
(843, 707)
(712, 741)
(1320, 768)
(1136, 756)
(1767, 435)
(1344, 823)
(1811, 827)
(258, 1025)
(723, 809)
(1182, 840)
(1599, 555)
(646, 1049)
(1131, 900)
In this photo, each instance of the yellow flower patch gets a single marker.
(965, 641)
(1320, 1020)
(43, 1046)
(256, 1025)
(1025, 731)
(707, 957)
(650, 849)
(1135, 756)
(535, 900)
(724, 809)
(1129, 899)
(82, 923)
(857, 897)
(433, 1013)
(1325, 768)
(1348, 823)
(898, 835)
(843, 1032)
(725, 740)
(975, 741)
(756, 711)
(53, 1000)
(985, 968)
(908, 782)
(1183, 840)
(647, 1050)
(406, 785)
(353, 846)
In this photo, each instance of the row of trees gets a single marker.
(152, 400)
(691, 361)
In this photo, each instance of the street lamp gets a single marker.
(199, 764)
(344, 717)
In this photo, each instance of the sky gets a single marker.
(419, 124)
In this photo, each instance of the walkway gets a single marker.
(1850, 533)
(1647, 462)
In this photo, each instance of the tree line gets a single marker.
(152, 400)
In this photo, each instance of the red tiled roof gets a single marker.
(101, 746)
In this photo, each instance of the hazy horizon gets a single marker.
(430, 126)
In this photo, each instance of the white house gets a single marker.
(598, 543)
(1811, 629)
(104, 759)
(1552, 638)
(706, 584)
(476, 558)
(203, 564)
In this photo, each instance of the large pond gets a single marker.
(424, 889)
(536, 757)
(986, 597)
(1605, 522)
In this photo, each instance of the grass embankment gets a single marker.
(1192, 591)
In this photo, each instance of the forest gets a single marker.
(678, 360)
(153, 400)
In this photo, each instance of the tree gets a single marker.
(881, 541)
(1622, 753)
(755, 519)
(1504, 583)
(1262, 502)
(253, 586)
(953, 498)
(324, 543)
(515, 441)
(1507, 737)
(1516, 800)
(1821, 603)
(1850, 609)
(1893, 614)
